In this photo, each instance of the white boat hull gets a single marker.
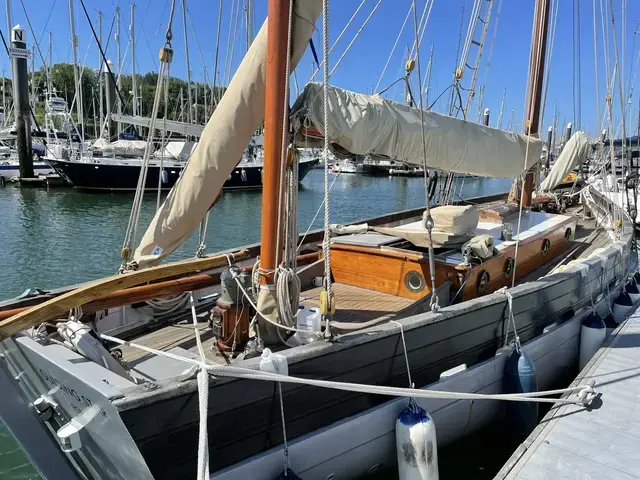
(10, 170)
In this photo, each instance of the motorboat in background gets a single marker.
(345, 166)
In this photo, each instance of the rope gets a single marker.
(317, 213)
(428, 219)
(406, 355)
(586, 393)
(134, 217)
(253, 305)
(164, 129)
(393, 49)
(511, 321)
(203, 400)
(326, 250)
(315, 72)
(287, 464)
(355, 37)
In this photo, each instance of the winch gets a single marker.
(230, 317)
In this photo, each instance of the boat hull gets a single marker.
(11, 170)
(376, 170)
(123, 176)
(160, 423)
(366, 442)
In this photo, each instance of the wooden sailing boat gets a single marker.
(138, 418)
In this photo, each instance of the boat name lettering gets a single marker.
(70, 392)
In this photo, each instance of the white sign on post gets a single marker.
(17, 34)
(19, 52)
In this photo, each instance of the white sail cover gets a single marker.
(121, 147)
(371, 125)
(573, 154)
(222, 143)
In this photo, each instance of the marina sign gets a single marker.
(19, 52)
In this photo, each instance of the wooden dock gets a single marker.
(600, 442)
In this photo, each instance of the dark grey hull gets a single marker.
(244, 416)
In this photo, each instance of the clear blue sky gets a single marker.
(364, 63)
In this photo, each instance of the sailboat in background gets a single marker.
(121, 382)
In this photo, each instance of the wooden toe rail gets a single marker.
(59, 306)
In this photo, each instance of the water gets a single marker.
(62, 237)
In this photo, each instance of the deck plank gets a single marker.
(600, 442)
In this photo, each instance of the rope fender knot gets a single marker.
(588, 393)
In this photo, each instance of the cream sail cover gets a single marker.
(574, 153)
(371, 125)
(222, 143)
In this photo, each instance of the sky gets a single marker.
(362, 67)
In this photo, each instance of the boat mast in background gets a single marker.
(186, 56)
(49, 84)
(76, 73)
(100, 79)
(134, 90)
(534, 88)
(8, 7)
(249, 13)
(119, 73)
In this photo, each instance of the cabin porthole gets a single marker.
(414, 281)
(546, 246)
(508, 267)
(483, 282)
(567, 235)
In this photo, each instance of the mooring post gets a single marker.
(19, 55)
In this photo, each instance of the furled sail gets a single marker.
(573, 154)
(222, 143)
(371, 125)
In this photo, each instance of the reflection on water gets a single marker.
(60, 237)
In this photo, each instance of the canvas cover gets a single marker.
(573, 154)
(222, 143)
(371, 125)
(121, 147)
(455, 219)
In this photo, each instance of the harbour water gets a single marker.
(61, 236)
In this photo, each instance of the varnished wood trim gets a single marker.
(59, 306)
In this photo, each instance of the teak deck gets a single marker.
(597, 442)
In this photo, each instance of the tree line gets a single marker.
(62, 80)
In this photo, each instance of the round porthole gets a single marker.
(546, 245)
(567, 235)
(508, 267)
(483, 282)
(414, 281)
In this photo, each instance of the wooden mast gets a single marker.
(278, 21)
(534, 89)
